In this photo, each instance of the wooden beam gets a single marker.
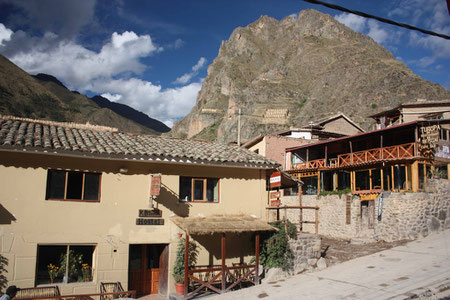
(257, 258)
(351, 152)
(186, 265)
(416, 138)
(224, 270)
(381, 146)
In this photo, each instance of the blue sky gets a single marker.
(153, 55)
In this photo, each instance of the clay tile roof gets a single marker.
(89, 140)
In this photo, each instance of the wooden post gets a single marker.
(415, 176)
(351, 152)
(317, 220)
(300, 217)
(370, 179)
(257, 258)
(406, 177)
(416, 138)
(307, 155)
(186, 265)
(224, 270)
(382, 178)
(326, 155)
(318, 182)
(392, 178)
(381, 146)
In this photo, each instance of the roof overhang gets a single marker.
(221, 224)
(136, 158)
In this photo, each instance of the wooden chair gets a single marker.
(111, 287)
(38, 292)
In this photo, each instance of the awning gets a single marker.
(221, 224)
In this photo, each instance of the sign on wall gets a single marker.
(429, 137)
(155, 186)
(275, 179)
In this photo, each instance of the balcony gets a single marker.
(398, 152)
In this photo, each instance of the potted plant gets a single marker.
(178, 268)
(52, 272)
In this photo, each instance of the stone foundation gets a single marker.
(306, 250)
(404, 215)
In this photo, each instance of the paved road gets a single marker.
(397, 273)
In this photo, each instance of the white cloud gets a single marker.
(355, 22)
(164, 105)
(185, 78)
(376, 32)
(5, 34)
(112, 98)
(100, 72)
(77, 66)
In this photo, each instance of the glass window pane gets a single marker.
(135, 257)
(212, 191)
(80, 263)
(74, 185)
(198, 189)
(91, 186)
(185, 188)
(55, 184)
(48, 264)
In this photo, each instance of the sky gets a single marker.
(153, 55)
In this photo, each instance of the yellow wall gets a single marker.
(111, 223)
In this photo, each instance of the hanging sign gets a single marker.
(429, 137)
(275, 179)
(155, 186)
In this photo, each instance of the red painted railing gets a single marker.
(387, 153)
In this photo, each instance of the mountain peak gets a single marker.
(307, 68)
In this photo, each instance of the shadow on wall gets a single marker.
(5, 216)
(170, 199)
(3, 271)
(238, 246)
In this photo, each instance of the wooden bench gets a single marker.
(38, 292)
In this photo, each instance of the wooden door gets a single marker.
(164, 270)
(139, 278)
(144, 269)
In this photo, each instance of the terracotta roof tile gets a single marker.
(40, 135)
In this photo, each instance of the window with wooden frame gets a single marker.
(73, 186)
(199, 189)
(64, 263)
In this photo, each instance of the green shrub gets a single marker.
(275, 250)
(178, 268)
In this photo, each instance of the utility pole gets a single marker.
(239, 128)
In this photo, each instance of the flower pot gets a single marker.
(179, 288)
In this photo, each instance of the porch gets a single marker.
(220, 278)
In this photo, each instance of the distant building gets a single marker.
(413, 111)
(272, 146)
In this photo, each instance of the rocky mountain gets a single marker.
(286, 73)
(44, 97)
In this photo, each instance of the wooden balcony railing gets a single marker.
(312, 164)
(387, 153)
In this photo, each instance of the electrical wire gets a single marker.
(362, 14)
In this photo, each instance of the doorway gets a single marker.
(148, 269)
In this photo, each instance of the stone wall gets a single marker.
(404, 215)
(306, 250)
(412, 215)
(332, 214)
